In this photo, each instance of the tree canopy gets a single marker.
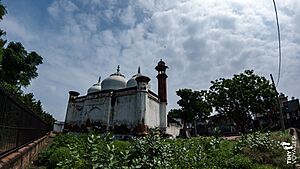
(17, 68)
(239, 99)
(242, 97)
(193, 104)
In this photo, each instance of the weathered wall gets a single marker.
(96, 110)
(125, 110)
(152, 112)
(93, 107)
(115, 108)
(21, 158)
(163, 114)
(58, 127)
(74, 112)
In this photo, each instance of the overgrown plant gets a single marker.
(262, 149)
(150, 152)
(255, 150)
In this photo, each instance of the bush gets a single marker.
(95, 151)
(263, 149)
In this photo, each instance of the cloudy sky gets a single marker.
(199, 40)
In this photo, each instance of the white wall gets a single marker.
(152, 112)
(173, 130)
(163, 114)
(130, 108)
(58, 127)
(96, 110)
(125, 111)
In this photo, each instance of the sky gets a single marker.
(199, 40)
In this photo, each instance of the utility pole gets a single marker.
(279, 106)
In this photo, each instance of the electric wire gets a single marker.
(279, 45)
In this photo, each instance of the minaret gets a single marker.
(162, 93)
(162, 80)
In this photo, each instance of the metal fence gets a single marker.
(18, 124)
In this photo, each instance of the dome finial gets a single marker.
(99, 79)
(139, 70)
(118, 68)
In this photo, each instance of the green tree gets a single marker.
(17, 68)
(36, 107)
(242, 97)
(2, 11)
(193, 105)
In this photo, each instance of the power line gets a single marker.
(279, 45)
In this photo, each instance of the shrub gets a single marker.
(262, 149)
(255, 150)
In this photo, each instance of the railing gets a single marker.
(18, 124)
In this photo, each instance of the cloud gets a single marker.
(17, 29)
(199, 40)
(62, 8)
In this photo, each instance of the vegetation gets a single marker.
(239, 99)
(242, 98)
(255, 150)
(17, 68)
(193, 105)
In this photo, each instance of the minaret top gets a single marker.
(118, 68)
(161, 66)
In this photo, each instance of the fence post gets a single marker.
(18, 137)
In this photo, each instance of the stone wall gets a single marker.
(125, 111)
(22, 157)
(152, 112)
(94, 109)
(112, 110)
(173, 130)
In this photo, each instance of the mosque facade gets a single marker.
(120, 106)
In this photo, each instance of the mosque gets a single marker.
(120, 106)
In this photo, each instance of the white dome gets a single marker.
(114, 81)
(95, 88)
(132, 82)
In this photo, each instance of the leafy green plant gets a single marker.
(255, 150)
(150, 152)
(262, 149)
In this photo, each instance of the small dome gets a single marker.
(95, 88)
(132, 82)
(114, 81)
